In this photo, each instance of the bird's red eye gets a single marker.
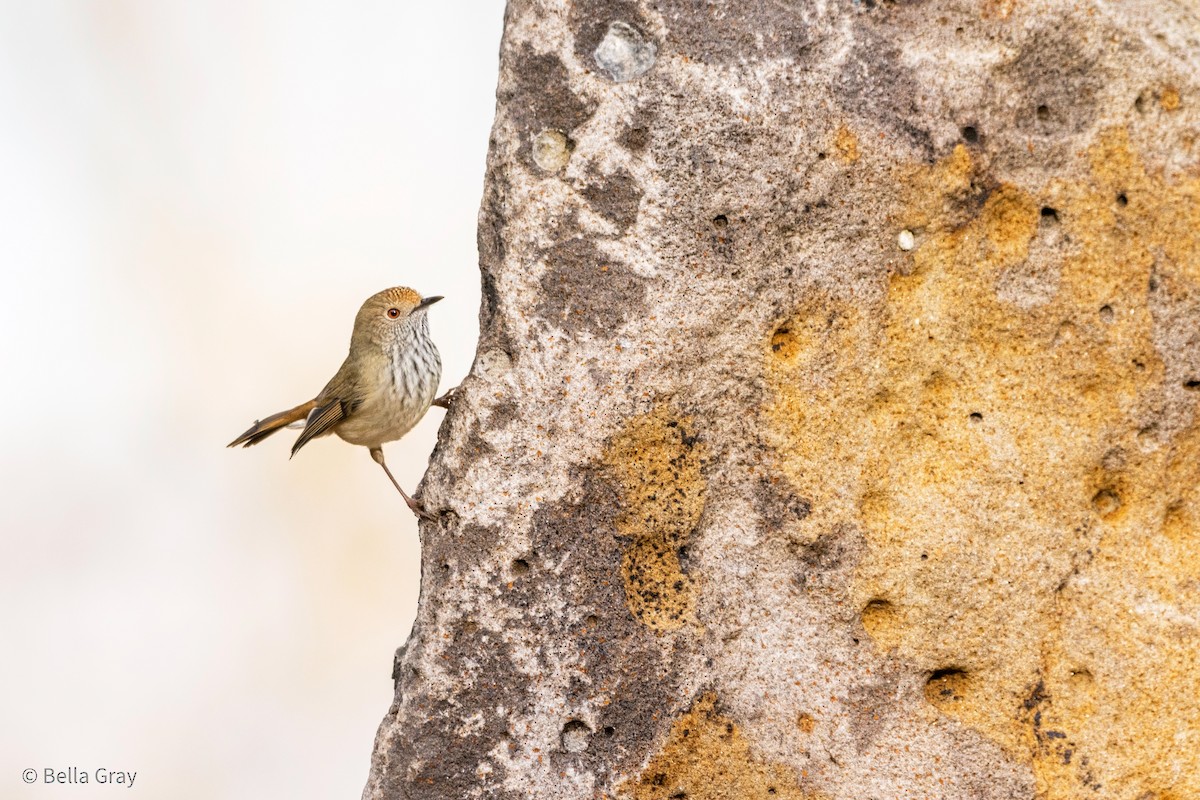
(393, 312)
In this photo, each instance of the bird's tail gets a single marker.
(264, 428)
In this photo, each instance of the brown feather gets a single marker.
(320, 421)
(264, 428)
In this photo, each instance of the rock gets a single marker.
(834, 426)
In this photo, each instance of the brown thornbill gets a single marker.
(384, 387)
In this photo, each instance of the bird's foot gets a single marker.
(418, 508)
(446, 400)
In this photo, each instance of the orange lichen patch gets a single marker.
(846, 145)
(806, 723)
(1169, 99)
(1121, 672)
(987, 445)
(998, 9)
(657, 461)
(816, 360)
(706, 757)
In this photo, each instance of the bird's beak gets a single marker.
(427, 302)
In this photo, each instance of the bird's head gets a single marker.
(393, 315)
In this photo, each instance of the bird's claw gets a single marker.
(446, 400)
(419, 509)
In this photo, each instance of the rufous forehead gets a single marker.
(400, 295)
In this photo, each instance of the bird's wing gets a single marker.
(320, 421)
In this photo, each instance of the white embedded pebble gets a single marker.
(551, 150)
(906, 240)
(625, 53)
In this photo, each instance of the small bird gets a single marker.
(384, 387)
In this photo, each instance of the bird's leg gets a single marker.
(446, 400)
(417, 508)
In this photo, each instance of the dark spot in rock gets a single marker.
(582, 289)
(969, 134)
(1107, 315)
(640, 133)
(618, 652)
(976, 416)
(828, 552)
(540, 98)
(1192, 384)
(720, 221)
(733, 33)
(502, 414)
(1049, 215)
(1122, 199)
(874, 85)
(1139, 103)
(616, 197)
(1036, 696)
(520, 566)
(866, 703)
(778, 504)
(635, 139)
(481, 675)
(1060, 79)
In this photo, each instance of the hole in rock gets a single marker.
(1106, 502)
(946, 685)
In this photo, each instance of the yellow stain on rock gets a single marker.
(846, 145)
(1027, 543)
(1170, 99)
(706, 757)
(657, 462)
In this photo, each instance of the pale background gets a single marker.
(194, 199)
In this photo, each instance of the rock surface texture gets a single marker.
(834, 426)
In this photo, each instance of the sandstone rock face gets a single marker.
(834, 427)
